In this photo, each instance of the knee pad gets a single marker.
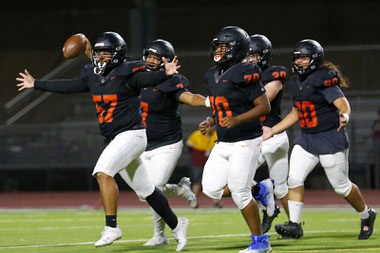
(242, 199)
(336, 168)
(344, 189)
(294, 181)
(212, 193)
(281, 189)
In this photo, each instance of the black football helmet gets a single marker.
(160, 48)
(237, 41)
(262, 46)
(308, 48)
(110, 42)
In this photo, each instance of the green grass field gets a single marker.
(211, 230)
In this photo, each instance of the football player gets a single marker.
(114, 84)
(164, 129)
(238, 100)
(274, 150)
(323, 112)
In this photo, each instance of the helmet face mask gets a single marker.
(262, 46)
(220, 50)
(160, 48)
(234, 40)
(112, 43)
(153, 62)
(313, 50)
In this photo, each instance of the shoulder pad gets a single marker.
(129, 67)
(209, 72)
(275, 73)
(245, 74)
(324, 78)
(174, 83)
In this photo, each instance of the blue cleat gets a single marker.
(259, 244)
(266, 196)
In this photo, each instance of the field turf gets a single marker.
(327, 230)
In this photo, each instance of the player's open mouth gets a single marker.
(151, 67)
(218, 57)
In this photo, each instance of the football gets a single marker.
(74, 46)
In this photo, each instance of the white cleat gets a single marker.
(187, 193)
(109, 235)
(157, 240)
(180, 233)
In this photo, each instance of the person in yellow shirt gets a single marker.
(200, 147)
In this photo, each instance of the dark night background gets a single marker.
(33, 33)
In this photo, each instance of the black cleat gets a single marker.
(266, 224)
(289, 230)
(366, 227)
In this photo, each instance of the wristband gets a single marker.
(346, 116)
(207, 102)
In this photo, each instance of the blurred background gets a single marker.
(50, 142)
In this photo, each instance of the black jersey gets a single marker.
(160, 111)
(313, 98)
(232, 93)
(319, 118)
(270, 74)
(116, 95)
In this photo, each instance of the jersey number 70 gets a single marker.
(220, 105)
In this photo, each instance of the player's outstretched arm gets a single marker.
(26, 80)
(194, 99)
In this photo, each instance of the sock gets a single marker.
(160, 204)
(295, 211)
(364, 214)
(111, 221)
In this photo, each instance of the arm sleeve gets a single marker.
(331, 93)
(147, 79)
(66, 86)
